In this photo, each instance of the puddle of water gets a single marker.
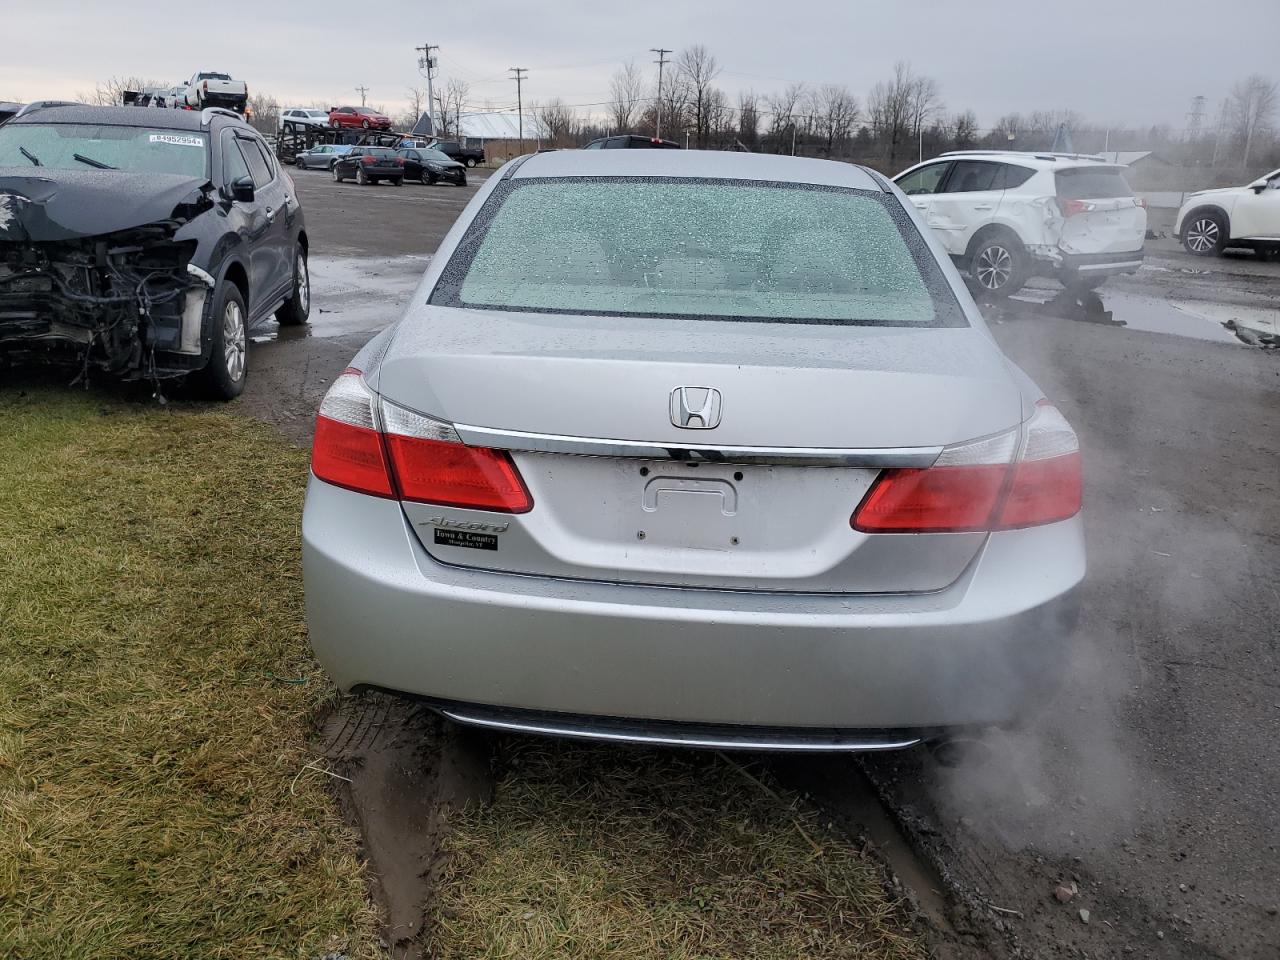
(1197, 319)
(352, 295)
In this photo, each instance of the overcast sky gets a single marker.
(1114, 61)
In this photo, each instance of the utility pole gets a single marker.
(427, 61)
(1195, 118)
(518, 77)
(1217, 139)
(362, 91)
(657, 109)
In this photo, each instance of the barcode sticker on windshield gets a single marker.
(178, 140)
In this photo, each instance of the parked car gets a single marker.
(432, 166)
(1212, 220)
(461, 153)
(368, 165)
(210, 89)
(303, 118)
(322, 156)
(1005, 216)
(364, 117)
(631, 141)
(145, 243)
(703, 449)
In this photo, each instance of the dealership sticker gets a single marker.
(464, 538)
(177, 140)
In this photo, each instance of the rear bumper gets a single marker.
(1102, 264)
(984, 651)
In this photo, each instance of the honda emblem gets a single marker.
(695, 408)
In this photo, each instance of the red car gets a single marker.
(364, 117)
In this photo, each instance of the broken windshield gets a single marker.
(139, 149)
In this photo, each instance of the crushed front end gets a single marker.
(129, 303)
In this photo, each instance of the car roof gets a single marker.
(123, 117)
(1040, 160)
(711, 164)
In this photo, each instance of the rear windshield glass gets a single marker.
(143, 149)
(1087, 183)
(377, 152)
(708, 249)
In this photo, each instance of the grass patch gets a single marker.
(608, 852)
(157, 694)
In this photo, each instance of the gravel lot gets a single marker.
(1152, 781)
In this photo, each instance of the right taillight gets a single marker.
(388, 451)
(982, 485)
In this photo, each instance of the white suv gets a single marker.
(304, 117)
(1212, 220)
(1004, 216)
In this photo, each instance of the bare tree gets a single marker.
(416, 96)
(891, 108)
(782, 115)
(1250, 109)
(674, 105)
(926, 102)
(559, 120)
(626, 91)
(452, 97)
(698, 67)
(264, 112)
(748, 118)
(964, 130)
(832, 112)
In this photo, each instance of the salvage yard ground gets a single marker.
(162, 792)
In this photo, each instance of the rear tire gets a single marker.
(999, 266)
(295, 311)
(397, 181)
(362, 178)
(471, 161)
(1204, 234)
(365, 124)
(463, 181)
(224, 375)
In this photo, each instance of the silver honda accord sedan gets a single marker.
(708, 449)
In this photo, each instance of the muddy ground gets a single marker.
(1151, 783)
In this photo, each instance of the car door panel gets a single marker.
(1257, 215)
(919, 185)
(271, 252)
(968, 200)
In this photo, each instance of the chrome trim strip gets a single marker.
(874, 457)
(1108, 266)
(655, 739)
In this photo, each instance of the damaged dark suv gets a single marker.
(145, 243)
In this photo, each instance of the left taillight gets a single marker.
(347, 450)
(387, 451)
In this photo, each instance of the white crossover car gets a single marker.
(1004, 216)
(1212, 220)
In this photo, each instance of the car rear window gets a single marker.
(1092, 183)
(707, 249)
(140, 149)
(378, 152)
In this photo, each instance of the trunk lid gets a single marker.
(1101, 213)
(769, 524)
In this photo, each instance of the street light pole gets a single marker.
(657, 107)
(518, 76)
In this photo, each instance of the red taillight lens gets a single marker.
(451, 474)
(1071, 207)
(979, 486)
(399, 161)
(939, 499)
(347, 450)
(366, 159)
(413, 457)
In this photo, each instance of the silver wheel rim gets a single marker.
(994, 267)
(1203, 235)
(233, 340)
(304, 285)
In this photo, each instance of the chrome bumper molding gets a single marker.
(670, 735)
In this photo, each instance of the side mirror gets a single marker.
(1258, 186)
(242, 190)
